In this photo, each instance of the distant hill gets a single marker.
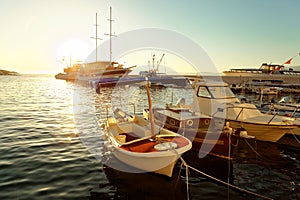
(6, 72)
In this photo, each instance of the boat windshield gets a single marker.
(221, 92)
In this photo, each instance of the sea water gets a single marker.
(51, 147)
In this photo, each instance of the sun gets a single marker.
(73, 50)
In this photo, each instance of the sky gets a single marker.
(36, 34)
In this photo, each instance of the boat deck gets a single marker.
(146, 145)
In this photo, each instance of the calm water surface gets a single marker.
(51, 148)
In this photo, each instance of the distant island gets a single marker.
(10, 73)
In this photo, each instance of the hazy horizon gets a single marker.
(35, 35)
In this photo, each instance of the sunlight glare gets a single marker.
(73, 50)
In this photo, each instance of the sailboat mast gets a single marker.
(96, 37)
(110, 33)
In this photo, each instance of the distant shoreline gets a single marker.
(8, 73)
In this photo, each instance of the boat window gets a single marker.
(221, 92)
(203, 92)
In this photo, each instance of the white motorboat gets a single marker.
(217, 100)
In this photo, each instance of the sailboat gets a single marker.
(90, 72)
(141, 144)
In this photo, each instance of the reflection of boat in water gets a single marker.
(217, 100)
(144, 185)
(143, 145)
(154, 81)
(153, 186)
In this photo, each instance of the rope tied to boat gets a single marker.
(294, 135)
(218, 180)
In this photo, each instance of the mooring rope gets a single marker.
(218, 180)
(252, 148)
(294, 135)
(228, 172)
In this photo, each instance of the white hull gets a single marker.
(220, 102)
(263, 132)
(161, 162)
(158, 161)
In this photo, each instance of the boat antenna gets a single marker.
(158, 63)
(149, 65)
(110, 34)
(96, 37)
(153, 61)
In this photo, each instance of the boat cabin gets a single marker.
(213, 97)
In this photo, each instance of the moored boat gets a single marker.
(143, 145)
(208, 135)
(217, 100)
(266, 71)
(94, 71)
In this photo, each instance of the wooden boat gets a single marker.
(94, 71)
(208, 136)
(141, 144)
(217, 100)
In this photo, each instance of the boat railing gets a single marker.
(244, 109)
(294, 109)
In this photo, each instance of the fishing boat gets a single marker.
(217, 100)
(153, 76)
(159, 79)
(143, 145)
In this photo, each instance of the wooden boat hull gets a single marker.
(161, 162)
(133, 145)
(197, 129)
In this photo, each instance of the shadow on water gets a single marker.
(268, 168)
(219, 168)
(125, 185)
